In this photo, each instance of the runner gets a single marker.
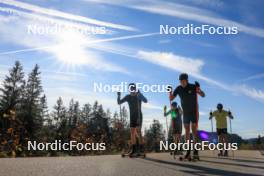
(134, 100)
(221, 125)
(176, 123)
(188, 95)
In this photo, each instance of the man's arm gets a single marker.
(167, 113)
(211, 115)
(198, 89)
(174, 94)
(142, 98)
(120, 101)
(230, 115)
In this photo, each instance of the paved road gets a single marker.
(245, 163)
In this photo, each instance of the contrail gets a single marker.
(87, 43)
(60, 14)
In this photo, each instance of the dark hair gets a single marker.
(132, 87)
(183, 76)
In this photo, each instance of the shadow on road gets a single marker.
(233, 164)
(200, 170)
(238, 160)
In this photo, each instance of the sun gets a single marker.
(70, 48)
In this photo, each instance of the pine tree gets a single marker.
(76, 113)
(95, 108)
(86, 113)
(124, 117)
(11, 92)
(108, 115)
(59, 113)
(101, 112)
(44, 108)
(31, 111)
(154, 135)
(70, 112)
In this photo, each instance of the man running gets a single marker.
(134, 100)
(188, 95)
(176, 122)
(221, 125)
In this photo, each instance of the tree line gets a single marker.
(25, 116)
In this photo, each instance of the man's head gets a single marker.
(132, 88)
(183, 79)
(219, 107)
(174, 105)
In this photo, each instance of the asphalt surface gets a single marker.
(249, 163)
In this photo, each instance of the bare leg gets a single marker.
(187, 132)
(139, 135)
(194, 132)
(133, 135)
(225, 142)
(187, 138)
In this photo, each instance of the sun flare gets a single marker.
(70, 48)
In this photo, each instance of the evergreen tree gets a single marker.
(95, 108)
(44, 108)
(108, 116)
(86, 113)
(154, 135)
(59, 113)
(70, 113)
(31, 111)
(60, 116)
(76, 113)
(11, 92)
(115, 116)
(101, 112)
(124, 117)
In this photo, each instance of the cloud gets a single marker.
(175, 62)
(60, 14)
(194, 68)
(207, 3)
(184, 12)
(251, 92)
(164, 41)
(46, 20)
(253, 77)
(66, 47)
(152, 106)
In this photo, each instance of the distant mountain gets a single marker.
(254, 140)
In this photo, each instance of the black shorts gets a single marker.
(221, 131)
(176, 126)
(136, 122)
(190, 119)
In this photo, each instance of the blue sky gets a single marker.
(229, 67)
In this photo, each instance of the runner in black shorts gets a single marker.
(188, 95)
(134, 100)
